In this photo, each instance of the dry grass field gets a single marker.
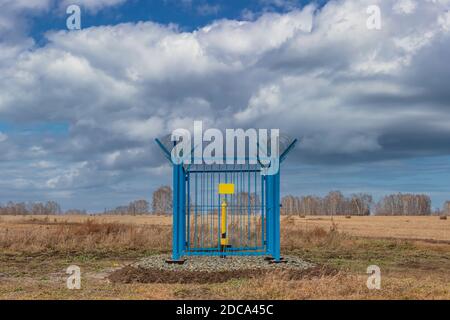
(412, 252)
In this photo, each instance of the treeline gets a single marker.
(404, 205)
(30, 208)
(335, 203)
(136, 207)
(161, 204)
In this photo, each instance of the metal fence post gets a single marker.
(177, 211)
(182, 213)
(276, 217)
(269, 213)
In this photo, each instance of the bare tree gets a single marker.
(52, 207)
(404, 204)
(162, 201)
(334, 203)
(360, 204)
(446, 209)
(290, 205)
(138, 207)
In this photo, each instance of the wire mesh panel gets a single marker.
(243, 211)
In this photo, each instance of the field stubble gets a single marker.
(36, 250)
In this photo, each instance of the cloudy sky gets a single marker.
(79, 109)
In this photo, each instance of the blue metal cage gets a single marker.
(253, 210)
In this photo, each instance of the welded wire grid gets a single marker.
(245, 209)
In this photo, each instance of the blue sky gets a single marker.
(79, 109)
(188, 15)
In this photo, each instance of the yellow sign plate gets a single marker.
(226, 188)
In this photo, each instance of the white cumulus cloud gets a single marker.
(349, 93)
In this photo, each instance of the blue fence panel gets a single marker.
(245, 210)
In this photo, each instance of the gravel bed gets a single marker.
(217, 264)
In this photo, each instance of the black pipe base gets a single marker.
(273, 261)
(170, 261)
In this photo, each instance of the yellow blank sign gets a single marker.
(226, 188)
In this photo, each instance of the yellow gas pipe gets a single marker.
(224, 189)
(223, 225)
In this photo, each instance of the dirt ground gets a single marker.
(140, 275)
(413, 254)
